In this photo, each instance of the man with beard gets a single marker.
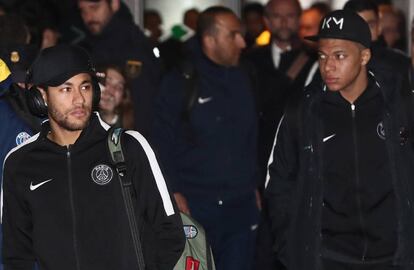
(281, 67)
(63, 207)
(208, 145)
(113, 38)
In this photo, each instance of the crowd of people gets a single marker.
(286, 133)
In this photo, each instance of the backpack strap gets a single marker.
(127, 188)
(297, 65)
(189, 73)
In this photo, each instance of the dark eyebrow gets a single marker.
(71, 84)
(334, 52)
(86, 81)
(234, 32)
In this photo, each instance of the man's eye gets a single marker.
(65, 89)
(322, 57)
(340, 56)
(86, 87)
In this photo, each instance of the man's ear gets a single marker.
(43, 93)
(365, 56)
(208, 41)
(115, 5)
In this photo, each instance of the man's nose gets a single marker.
(240, 41)
(329, 64)
(78, 97)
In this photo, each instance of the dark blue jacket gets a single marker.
(211, 154)
(13, 132)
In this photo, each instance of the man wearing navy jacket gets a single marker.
(205, 133)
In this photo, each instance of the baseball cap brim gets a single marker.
(316, 38)
(62, 78)
(312, 38)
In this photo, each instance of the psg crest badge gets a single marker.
(22, 137)
(102, 174)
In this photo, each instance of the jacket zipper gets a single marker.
(72, 206)
(357, 182)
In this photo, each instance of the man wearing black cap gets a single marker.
(340, 174)
(62, 203)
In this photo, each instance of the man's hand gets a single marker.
(182, 203)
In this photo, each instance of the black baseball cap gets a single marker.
(344, 24)
(55, 65)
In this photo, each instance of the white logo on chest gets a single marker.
(204, 100)
(33, 187)
(102, 174)
(381, 130)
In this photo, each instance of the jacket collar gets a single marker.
(95, 130)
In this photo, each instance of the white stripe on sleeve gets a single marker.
(30, 140)
(156, 171)
(271, 153)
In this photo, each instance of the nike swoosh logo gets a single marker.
(204, 100)
(33, 187)
(329, 137)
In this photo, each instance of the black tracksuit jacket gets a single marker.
(341, 178)
(63, 207)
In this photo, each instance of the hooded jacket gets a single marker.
(341, 177)
(63, 207)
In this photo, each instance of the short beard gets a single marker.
(63, 120)
(283, 38)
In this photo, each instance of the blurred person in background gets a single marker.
(16, 55)
(205, 134)
(383, 58)
(115, 106)
(190, 18)
(42, 18)
(309, 22)
(253, 22)
(392, 23)
(172, 50)
(152, 25)
(113, 37)
(282, 67)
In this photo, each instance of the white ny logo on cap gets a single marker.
(328, 20)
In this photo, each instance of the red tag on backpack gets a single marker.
(191, 264)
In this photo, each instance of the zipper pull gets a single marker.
(353, 110)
